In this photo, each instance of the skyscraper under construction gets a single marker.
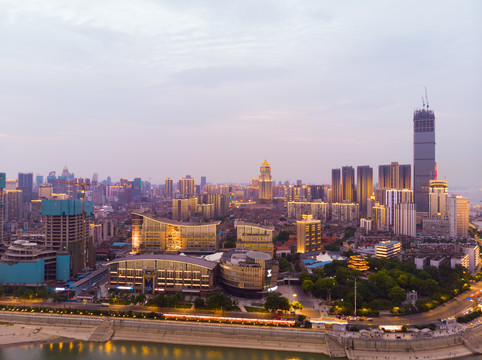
(423, 155)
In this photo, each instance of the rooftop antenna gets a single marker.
(426, 97)
(423, 102)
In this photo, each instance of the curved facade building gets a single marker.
(154, 273)
(248, 273)
(153, 234)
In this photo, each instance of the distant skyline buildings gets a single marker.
(317, 81)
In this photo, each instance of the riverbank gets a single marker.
(21, 334)
(54, 328)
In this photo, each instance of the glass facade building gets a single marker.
(154, 273)
(153, 234)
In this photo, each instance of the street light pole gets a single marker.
(355, 296)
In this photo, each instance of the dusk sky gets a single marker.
(157, 89)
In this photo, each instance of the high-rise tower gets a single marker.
(336, 194)
(348, 178)
(423, 155)
(265, 182)
(364, 187)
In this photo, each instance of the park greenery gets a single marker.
(385, 286)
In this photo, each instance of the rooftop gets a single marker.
(179, 258)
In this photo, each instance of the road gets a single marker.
(311, 308)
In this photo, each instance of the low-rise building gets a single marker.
(248, 273)
(157, 273)
(387, 249)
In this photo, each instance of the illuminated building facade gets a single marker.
(423, 156)
(254, 237)
(248, 273)
(387, 249)
(168, 187)
(458, 215)
(308, 233)
(336, 192)
(153, 234)
(150, 274)
(348, 181)
(364, 187)
(187, 187)
(265, 182)
(437, 199)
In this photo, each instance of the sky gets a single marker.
(158, 89)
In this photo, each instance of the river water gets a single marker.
(124, 350)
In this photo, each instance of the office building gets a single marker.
(308, 233)
(387, 249)
(254, 237)
(25, 183)
(136, 188)
(336, 191)
(66, 227)
(155, 273)
(437, 199)
(458, 215)
(423, 156)
(348, 183)
(265, 182)
(203, 183)
(154, 234)
(39, 179)
(364, 187)
(248, 273)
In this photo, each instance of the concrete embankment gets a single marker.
(352, 346)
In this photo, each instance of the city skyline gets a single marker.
(158, 90)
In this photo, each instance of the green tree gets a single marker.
(276, 302)
(198, 302)
(304, 276)
(140, 299)
(218, 299)
(284, 265)
(307, 285)
(323, 286)
(429, 287)
(318, 273)
(397, 295)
